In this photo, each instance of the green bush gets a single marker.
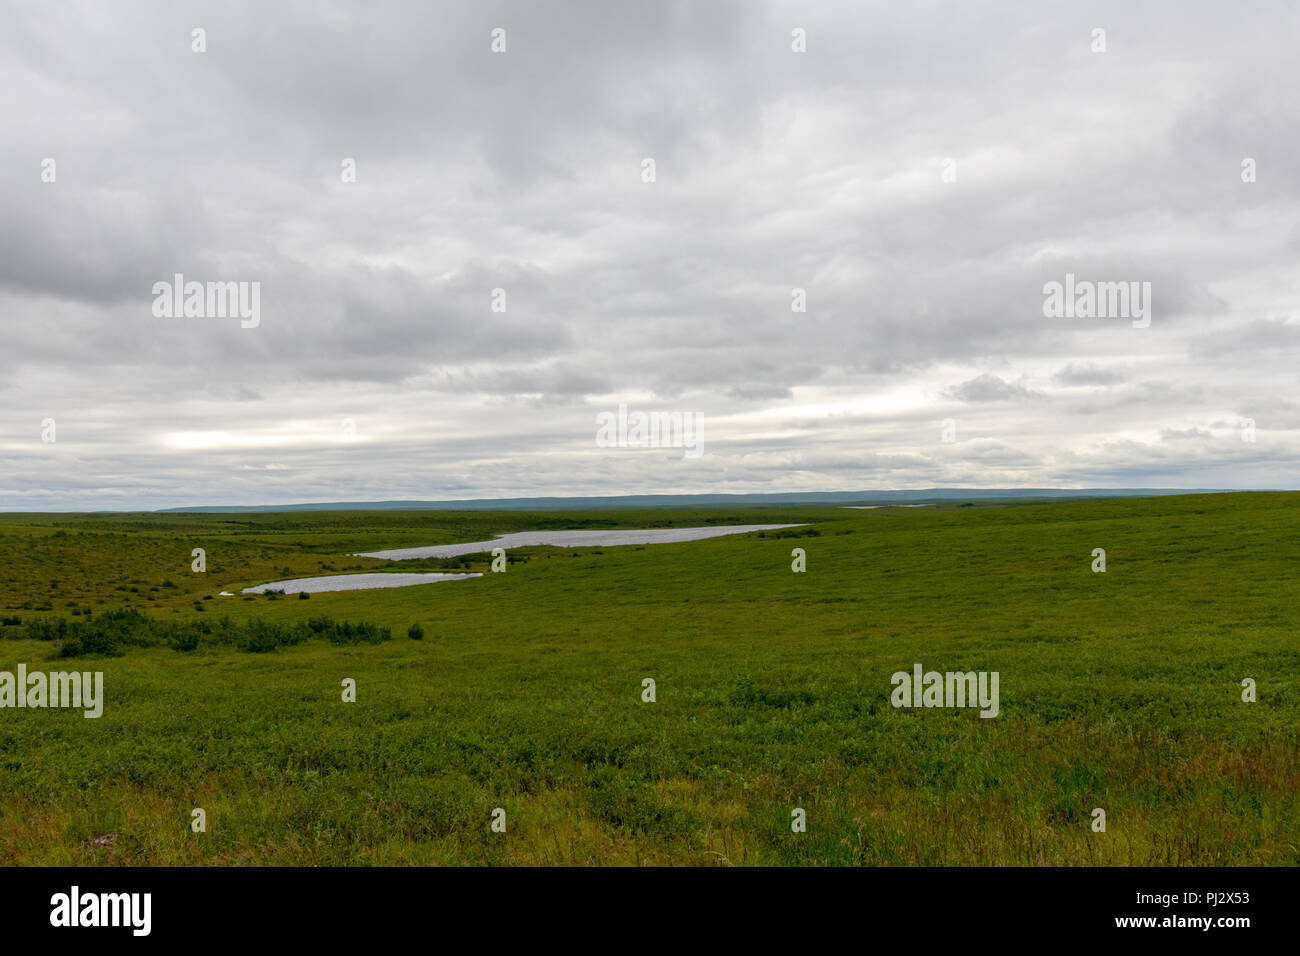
(112, 633)
(108, 634)
(361, 633)
(415, 632)
(258, 637)
(187, 639)
(48, 629)
(259, 640)
(91, 641)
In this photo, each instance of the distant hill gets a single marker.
(695, 501)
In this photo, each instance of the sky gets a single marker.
(820, 231)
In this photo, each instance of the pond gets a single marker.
(573, 539)
(354, 582)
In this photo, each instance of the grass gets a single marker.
(1119, 690)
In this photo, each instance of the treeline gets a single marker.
(114, 632)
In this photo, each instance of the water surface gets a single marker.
(354, 582)
(869, 507)
(573, 539)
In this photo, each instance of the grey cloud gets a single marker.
(1184, 434)
(522, 171)
(989, 388)
(1087, 373)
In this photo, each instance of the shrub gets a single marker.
(361, 633)
(303, 596)
(259, 640)
(88, 640)
(48, 629)
(114, 631)
(415, 632)
(187, 639)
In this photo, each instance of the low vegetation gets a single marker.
(1120, 690)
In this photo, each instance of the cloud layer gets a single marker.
(913, 180)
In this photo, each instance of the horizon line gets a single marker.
(684, 498)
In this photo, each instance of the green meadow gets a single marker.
(1119, 690)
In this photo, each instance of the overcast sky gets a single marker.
(921, 172)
